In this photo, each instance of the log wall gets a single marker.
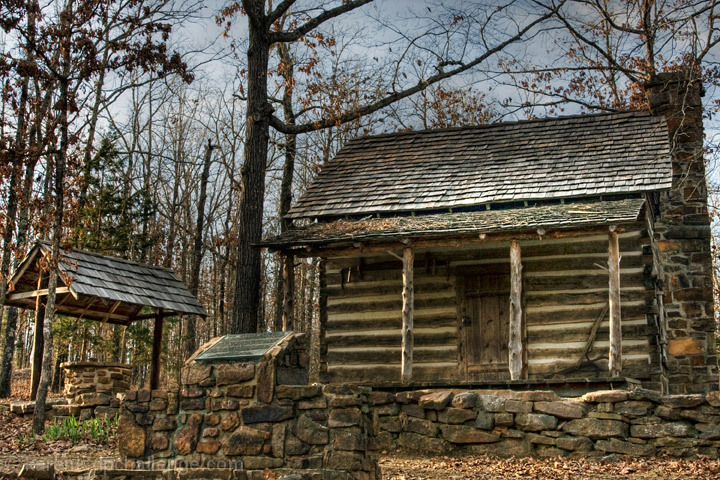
(565, 285)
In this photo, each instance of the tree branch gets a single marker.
(315, 21)
(280, 11)
(283, 127)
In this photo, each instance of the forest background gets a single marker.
(177, 132)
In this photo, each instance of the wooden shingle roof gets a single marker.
(555, 216)
(103, 287)
(578, 156)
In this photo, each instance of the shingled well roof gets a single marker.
(566, 157)
(97, 281)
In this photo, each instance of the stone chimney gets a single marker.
(682, 237)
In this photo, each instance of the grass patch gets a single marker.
(100, 430)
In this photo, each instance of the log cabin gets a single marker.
(572, 250)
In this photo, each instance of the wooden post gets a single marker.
(288, 275)
(615, 357)
(156, 350)
(407, 315)
(515, 346)
(38, 338)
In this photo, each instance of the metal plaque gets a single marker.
(241, 348)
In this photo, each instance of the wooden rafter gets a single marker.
(37, 293)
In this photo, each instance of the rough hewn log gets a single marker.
(407, 315)
(615, 361)
(390, 339)
(350, 325)
(515, 346)
(156, 349)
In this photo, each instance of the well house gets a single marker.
(571, 253)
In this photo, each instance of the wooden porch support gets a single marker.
(38, 338)
(288, 274)
(515, 335)
(156, 350)
(615, 356)
(407, 314)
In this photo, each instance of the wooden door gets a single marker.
(485, 319)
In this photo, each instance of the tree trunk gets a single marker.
(286, 282)
(279, 294)
(39, 415)
(58, 377)
(246, 306)
(38, 339)
(189, 340)
(10, 217)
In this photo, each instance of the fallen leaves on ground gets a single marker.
(17, 447)
(485, 467)
(20, 386)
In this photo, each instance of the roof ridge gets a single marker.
(625, 113)
(110, 257)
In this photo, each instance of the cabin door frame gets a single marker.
(484, 319)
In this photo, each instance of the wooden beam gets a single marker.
(615, 357)
(95, 314)
(112, 310)
(408, 298)
(24, 266)
(449, 239)
(148, 316)
(288, 277)
(81, 312)
(37, 293)
(515, 346)
(156, 350)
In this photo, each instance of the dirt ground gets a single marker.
(492, 468)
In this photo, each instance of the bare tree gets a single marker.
(265, 31)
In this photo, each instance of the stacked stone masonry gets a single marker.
(248, 419)
(539, 423)
(91, 389)
(254, 417)
(341, 429)
(682, 242)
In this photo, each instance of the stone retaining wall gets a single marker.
(219, 422)
(539, 423)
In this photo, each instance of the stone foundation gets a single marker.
(541, 424)
(341, 429)
(250, 417)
